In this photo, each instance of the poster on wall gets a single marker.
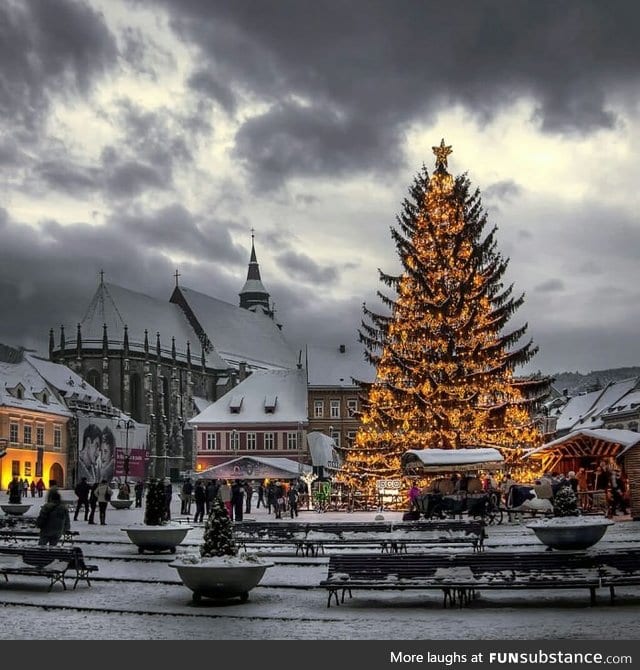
(103, 444)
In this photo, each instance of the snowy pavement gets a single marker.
(141, 597)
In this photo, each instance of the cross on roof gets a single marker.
(176, 275)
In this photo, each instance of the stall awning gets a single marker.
(256, 467)
(416, 461)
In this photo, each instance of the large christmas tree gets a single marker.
(444, 356)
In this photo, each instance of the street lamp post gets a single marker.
(128, 425)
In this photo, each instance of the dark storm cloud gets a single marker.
(304, 268)
(502, 190)
(68, 177)
(205, 82)
(177, 230)
(377, 64)
(49, 48)
(63, 264)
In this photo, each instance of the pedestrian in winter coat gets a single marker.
(33, 489)
(200, 496)
(211, 493)
(93, 503)
(185, 497)
(53, 519)
(40, 487)
(248, 493)
(15, 491)
(82, 490)
(260, 496)
(103, 495)
(294, 498)
(237, 500)
(139, 490)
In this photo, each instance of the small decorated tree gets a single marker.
(565, 502)
(154, 511)
(218, 533)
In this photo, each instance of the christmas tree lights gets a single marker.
(444, 357)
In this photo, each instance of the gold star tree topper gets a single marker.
(441, 152)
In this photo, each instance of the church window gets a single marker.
(93, 377)
(136, 397)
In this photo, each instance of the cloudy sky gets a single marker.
(141, 136)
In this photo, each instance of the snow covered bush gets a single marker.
(565, 502)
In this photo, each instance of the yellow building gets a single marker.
(33, 424)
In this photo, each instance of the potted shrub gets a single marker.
(123, 499)
(157, 534)
(568, 529)
(220, 570)
(15, 506)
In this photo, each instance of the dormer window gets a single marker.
(19, 393)
(270, 403)
(235, 404)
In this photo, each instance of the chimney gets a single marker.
(242, 370)
(342, 348)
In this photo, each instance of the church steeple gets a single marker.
(254, 296)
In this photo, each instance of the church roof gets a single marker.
(239, 334)
(117, 306)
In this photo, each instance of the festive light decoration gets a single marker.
(445, 364)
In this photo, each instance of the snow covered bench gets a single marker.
(460, 576)
(15, 534)
(51, 562)
(619, 568)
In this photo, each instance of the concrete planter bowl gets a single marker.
(218, 581)
(157, 538)
(15, 509)
(121, 504)
(570, 533)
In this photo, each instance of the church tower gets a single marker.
(254, 295)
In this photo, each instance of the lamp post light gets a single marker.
(128, 425)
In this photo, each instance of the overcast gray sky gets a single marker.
(140, 136)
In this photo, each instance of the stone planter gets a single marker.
(157, 538)
(220, 581)
(15, 509)
(121, 504)
(570, 533)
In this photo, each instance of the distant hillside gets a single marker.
(577, 382)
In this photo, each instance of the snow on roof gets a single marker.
(33, 386)
(66, 381)
(200, 403)
(289, 385)
(258, 467)
(253, 286)
(625, 438)
(584, 410)
(329, 366)
(117, 306)
(447, 459)
(240, 334)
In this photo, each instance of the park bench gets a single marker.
(22, 533)
(51, 562)
(621, 568)
(460, 576)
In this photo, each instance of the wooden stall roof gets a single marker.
(597, 443)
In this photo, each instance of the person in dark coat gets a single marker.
(294, 498)
(53, 519)
(138, 490)
(271, 497)
(260, 495)
(93, 503)
(248, 492)
(237, 500)
(211, 493)
(82, 490)
(200, 496)
(187, 490)
(15, 491)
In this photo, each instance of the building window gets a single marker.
(15, 468)
(40, 436)
(13, 433)
(27, 435)
(269, 442)
(57, 437)
(235, 440)
(351, 437)
(318, 409)
(352, 406)
(335, 434)
(27, 468)
(292, 441)
(211, 443)
(251, 441)
(334, 407)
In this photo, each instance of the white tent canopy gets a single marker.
(255, 467)
(323, 450)
(416, 461)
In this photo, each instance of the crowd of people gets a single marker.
(21, 488)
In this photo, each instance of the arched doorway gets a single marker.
(56, 474)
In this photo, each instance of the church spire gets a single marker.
(254, 296)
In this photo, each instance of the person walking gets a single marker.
(53, 520)
(40, 487)
(25, 487)
(93, 503)
(33, 489)
(248, 494)
(237, 500)
(211, 493)
(294, 498)
(103, 495)
(82, 490)
(260, 495)
(138, 490)
(15, 491)
(200, 497)
(185, 497)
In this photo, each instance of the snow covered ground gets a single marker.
(140, 597)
